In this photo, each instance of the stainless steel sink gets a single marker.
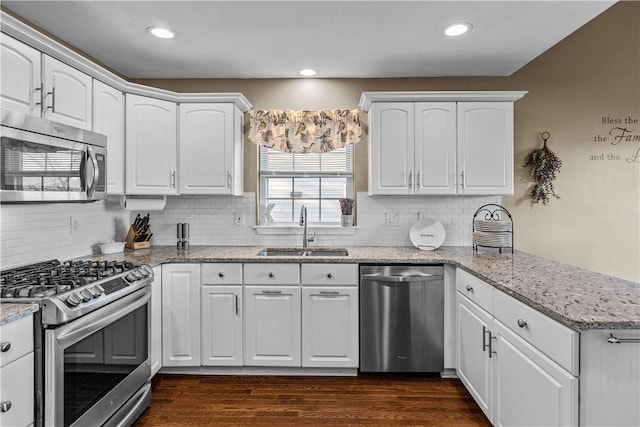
(329, 252)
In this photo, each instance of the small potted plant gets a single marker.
(346, 206)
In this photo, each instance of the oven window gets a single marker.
(95, 365)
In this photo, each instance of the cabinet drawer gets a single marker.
(16, 386)
(475, 289)
(271, 274)
(550, 337)
(221, 274)
(329, 274)
(19, 334)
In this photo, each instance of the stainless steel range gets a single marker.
(92, 339)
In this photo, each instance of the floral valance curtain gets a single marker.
(304, 131)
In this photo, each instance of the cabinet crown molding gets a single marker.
(437, 96)
(26, 34)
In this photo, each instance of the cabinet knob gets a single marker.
(5, 346)
(469, 288)
(522, 323)
(271, 275)
(221, 274)
(5, 406)
(329, 276)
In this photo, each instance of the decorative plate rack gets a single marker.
(492, 228)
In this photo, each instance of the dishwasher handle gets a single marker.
(402, 278)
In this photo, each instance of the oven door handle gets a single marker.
(86, 325)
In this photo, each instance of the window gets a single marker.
(316, 180)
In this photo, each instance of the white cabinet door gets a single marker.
(485, 147)
(108, 119)
(330, 327)
(16, 387)
(221, 325)
(272, 326)
(207, 148)
(181, 315)
(20, 88)
(151, 148)
(435, 148)
(67, 94)
(529, 388)
(156, 321)
(391, 151)
(472, 346)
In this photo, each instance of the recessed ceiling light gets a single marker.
(307, 72)
(457, 29)
(160, 32)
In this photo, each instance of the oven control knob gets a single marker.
(138, 274)
(73, 300)
(86, 295)
(95, 291)
(99, 288)
(130, 277)
(143, 272)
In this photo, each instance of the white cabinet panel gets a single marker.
(151, 146)
(16, 386)
(20, 69)
(19, 335)
(108, 119)
(220, 273)
(485, 147)
(271, 274)
(156, 321)
(221, 325)
(68, 94)
(530, 389)
(391, 150)
(330, 327)
(181, 315)
(272, 326)
(435, 148)
(329, 274)
(207, 148)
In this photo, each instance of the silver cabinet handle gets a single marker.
(491, 350)
(53, 100)
(228, 179)
(237, 305)
(41, 103)
(221, 274)
(522, 323)
(462, 179)
(615, 340)
(410, 179)
(329, 292)
(5, 406)
(173, 179)
(329, 276)
(272, 292)
(418, 179)
(469, 288)
(484, 335)
(5, 346)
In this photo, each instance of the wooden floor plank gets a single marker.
(374, 400)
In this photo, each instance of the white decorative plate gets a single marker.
(427, 234)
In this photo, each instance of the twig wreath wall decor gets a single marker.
(544, 165)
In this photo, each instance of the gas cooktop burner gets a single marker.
(52, 277)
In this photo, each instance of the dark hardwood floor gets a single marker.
(309, 401)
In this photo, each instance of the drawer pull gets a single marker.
(615, 340)
(5, 346)
(272, 292)
(329, 276)
(522, 323)
(237, 305)
(329, 292)
(469, 288)
(271, 275)
(484, 334)
(5, 406)
(221, 275)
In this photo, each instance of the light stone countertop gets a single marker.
(10, 311)
(577, 298)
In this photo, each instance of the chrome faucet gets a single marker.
(303, 222)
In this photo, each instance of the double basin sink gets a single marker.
(332, 252)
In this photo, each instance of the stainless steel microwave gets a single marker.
(49, 162)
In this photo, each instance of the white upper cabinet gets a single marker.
(108, 119)
(20, 88)
(67, 94)
(151, 146)
(485, 147)
(440, 142)
(210, 147)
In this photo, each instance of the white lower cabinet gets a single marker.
(180, 315)
(272, 326)
(330, 327)
(221, 325)
(156, 321)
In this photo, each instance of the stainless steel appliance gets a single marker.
(92, 339)
(45, 161)
(401, 318)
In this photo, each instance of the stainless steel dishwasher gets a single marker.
(401, 318)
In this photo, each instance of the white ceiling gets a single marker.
(275, 39)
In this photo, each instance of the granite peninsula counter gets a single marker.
(575, 297)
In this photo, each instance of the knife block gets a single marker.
(133, 237)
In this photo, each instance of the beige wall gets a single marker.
(595, 72)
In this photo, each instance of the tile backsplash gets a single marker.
(32, 233)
